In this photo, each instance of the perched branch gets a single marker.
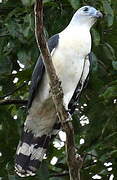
(12, 92)
(13, 101)
(74, 163)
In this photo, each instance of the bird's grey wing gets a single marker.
(80, 86)
(39, 70)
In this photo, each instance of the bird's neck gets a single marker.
(77, 28)
(81, 22)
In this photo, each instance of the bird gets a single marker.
(71, 56)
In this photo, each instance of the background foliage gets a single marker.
(95, 120)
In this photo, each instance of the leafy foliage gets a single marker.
(94, 121)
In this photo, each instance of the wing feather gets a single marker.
(80, 86)
(39, 70)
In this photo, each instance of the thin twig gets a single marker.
(103, 65)
(17, 89)
(13, 101)
(86, 154)
(88, 166)
(89, 154)
(59, 174)
(3, 35)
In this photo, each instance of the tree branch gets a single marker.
(59, 174)
(3, 35)
(74, 163)
(13, 101)
(17, 89)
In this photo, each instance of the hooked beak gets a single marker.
(98, 14)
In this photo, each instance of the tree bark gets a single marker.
(74, 162)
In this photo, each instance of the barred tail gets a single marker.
(31, 150)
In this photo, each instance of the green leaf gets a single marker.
(24, 57)
(103, 172)
(113, 153)
(13, 28)
(11, 177)
(75, 3)
(96, 37)
(109, 12)
(110, 93)
(46, 1)
(114, 64)
(28, 2)
(94, 67)
(109, 51)
(5, 64)
(28, 26)
(26, 32)
(43, 172)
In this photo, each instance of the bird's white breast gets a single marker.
(68, 59)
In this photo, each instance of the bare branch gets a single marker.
(74, 163)
(13, 101)
(103, 65)
(12, 92)
(59, 174)
(4, 35)
(92, 155)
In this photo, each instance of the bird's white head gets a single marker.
(86, 15)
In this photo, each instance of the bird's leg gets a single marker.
(69, 117)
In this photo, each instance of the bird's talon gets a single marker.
(69, 119)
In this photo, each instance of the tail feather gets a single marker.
(31, 150)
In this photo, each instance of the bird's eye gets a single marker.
(86, 9)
